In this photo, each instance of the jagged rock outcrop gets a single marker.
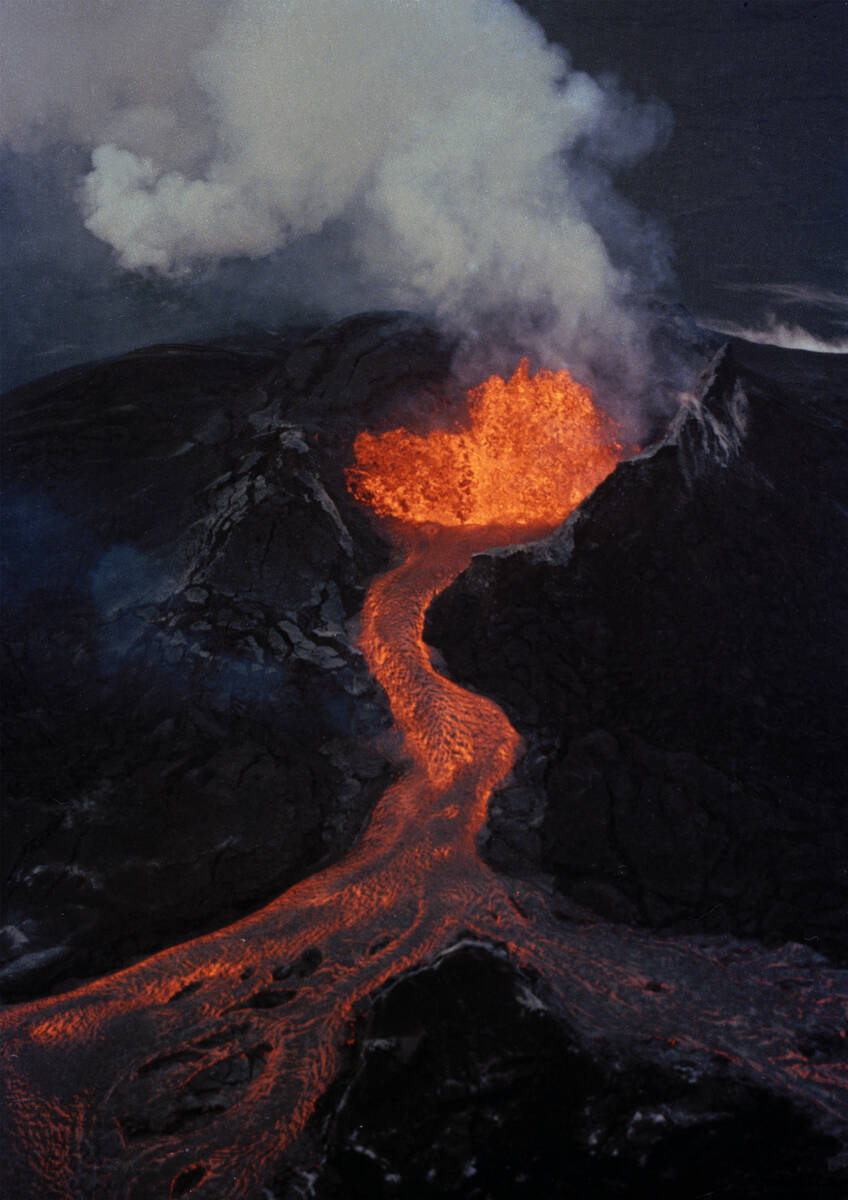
(188, 720)
(462, 1084)
(190, 728)
(675, 656)
(189, 725)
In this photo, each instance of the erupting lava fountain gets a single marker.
(534, 447)
(193, 1071)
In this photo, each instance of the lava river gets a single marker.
(192, 1072)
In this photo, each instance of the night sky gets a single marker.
(748, 191)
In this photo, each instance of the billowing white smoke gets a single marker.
(467, 165)
(90, 71)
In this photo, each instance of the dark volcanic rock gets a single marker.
(187, 719)
(464, 1085)
(190, 728)
(676, 658)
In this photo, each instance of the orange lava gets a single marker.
(193, 1071)
(534, 446)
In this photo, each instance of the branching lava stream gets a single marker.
(100, 1086)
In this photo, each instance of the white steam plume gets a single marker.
(779, 333)
(90, 71)
(467, 163)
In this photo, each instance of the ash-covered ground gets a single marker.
(190, 728)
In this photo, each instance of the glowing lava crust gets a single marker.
(103, 1089)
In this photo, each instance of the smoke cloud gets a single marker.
(808, 318)
(777, 333)
(449, 155)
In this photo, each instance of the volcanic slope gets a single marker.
(192, 1071)
(188, 723)
(676, 657)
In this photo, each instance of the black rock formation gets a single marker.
(190, 728)
(463, 1085)
(676, 657)
(188, 723)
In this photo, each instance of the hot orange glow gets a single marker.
(105, 1093)
(533, 448)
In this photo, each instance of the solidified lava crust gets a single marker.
(198, 1071)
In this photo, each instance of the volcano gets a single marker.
(371, 837)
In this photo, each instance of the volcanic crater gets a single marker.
(640, 982)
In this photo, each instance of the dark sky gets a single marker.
(751, 189)
(754, 181)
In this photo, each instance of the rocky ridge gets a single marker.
(675, 658)
(193, 730)
(189, 724)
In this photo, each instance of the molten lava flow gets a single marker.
(193, 1072)
(534, 447)
(447, 730)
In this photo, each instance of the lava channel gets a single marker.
(193, 1071)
